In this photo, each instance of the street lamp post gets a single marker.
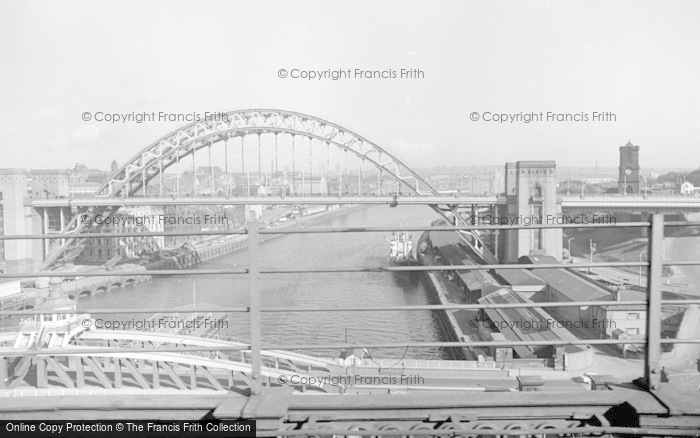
(570, 249)
(592, 248)
(640, 268)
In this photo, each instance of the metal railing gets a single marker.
(652, 340)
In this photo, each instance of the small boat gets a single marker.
(401, 249)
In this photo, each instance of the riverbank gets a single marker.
(205, 251)
(446, 319)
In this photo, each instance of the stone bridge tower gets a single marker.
(17, 217)
(531, 193)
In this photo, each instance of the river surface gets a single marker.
(304, 251)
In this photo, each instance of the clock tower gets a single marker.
(628, 180)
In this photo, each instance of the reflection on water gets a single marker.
(304, 251)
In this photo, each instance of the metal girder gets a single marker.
(486, 201)
(60, 372)
(168, 150)
(618, 409)
(19, 370)
(66, 251)
(97, 371)
(173, 375)
(212, 380)
(478, 246)
(138, 377)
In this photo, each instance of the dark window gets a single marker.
(537, 234)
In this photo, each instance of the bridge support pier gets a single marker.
(531, 193)
(15, 219)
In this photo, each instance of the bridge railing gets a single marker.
(617, 196)
(651, 380)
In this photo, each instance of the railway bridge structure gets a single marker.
(160, 375)
(530, 188)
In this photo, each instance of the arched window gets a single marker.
(537, 212)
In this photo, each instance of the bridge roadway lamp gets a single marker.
(572, 238)
(592, 248)
(640, 268)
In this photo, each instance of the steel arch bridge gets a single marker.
(170, 149)
(153, 160)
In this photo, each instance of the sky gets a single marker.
(637, 59)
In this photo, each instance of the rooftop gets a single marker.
(623, 295)
(567, 282)
(455, 254)
(537, 164)
(525, 324)
(520, 277)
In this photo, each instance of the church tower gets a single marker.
(628, 179)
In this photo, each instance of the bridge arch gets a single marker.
(151, 161)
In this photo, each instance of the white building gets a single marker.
(687, 188)
(82, 189)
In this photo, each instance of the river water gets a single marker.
(304, 251)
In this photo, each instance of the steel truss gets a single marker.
(153, 160)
